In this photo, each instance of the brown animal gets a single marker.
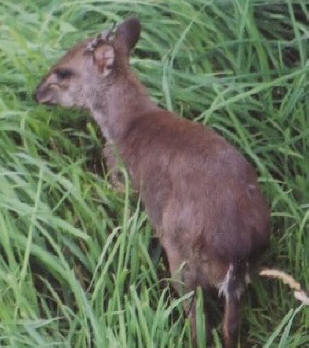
(200, 193)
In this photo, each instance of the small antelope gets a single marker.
(200, 193)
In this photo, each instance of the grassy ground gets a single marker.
(76, 264)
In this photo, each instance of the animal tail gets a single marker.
(299, 293)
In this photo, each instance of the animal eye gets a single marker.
(64, 73)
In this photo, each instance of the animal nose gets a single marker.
(37, 94)
(41, 95)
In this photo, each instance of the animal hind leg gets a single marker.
(232, 289)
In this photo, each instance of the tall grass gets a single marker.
(78, 266)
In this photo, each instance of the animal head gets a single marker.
(89, 67)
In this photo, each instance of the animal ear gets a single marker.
(104, 57)
(128, 32)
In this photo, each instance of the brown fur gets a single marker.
(200, 193)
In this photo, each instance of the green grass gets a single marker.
(77, 264)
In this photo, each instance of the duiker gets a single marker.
(200, 193)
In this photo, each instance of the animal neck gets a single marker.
(115, 107)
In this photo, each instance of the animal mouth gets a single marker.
(40, 98)
(48, 103)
